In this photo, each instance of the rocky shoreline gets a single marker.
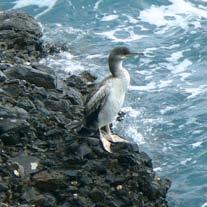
(43, 162)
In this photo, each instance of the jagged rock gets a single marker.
(88, 77)
(29, 195)
(45, 200)
(37, 77)
(4, 66)
(25, 103)
(2, 76)
(3, 188)
(74, 96)
(12, 130)
(20, 36)
(12, 112)
(52, 48)
(49, 181)
(43, 68)
(12, 88)
(78, 83)
(11, 21)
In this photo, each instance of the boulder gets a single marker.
(20, 37)
(37, 77)
(2, 77)
(49, 181)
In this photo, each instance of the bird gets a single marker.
(107, 99)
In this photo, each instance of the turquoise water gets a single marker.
(166, 103)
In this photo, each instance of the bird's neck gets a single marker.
(115, 66)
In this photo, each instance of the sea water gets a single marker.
(167, 99)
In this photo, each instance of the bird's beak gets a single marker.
(136, 53)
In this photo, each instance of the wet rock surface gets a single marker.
(43, 162)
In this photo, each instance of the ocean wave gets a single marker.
(204, 205)
(135, 135)
(65, 62)
(131, 112)
(49, 4)
(113, 35)
(150, 86)
(109, 17)
(97, 4)
(195, 91)
(197, 144)
(179, 13)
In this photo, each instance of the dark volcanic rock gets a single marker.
(45, 180)
(2, 76)
(78, 83)
(20, 37)
(11, 130)
(43, 68)
(37, 77)
(43, 161)
(45, 200)
(19, 21)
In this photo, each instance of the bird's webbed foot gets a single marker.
(116, 138)
(105, 142)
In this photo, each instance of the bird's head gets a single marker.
(121, 53)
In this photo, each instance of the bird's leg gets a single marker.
(113, 137)
(106, 143)
(108, 130)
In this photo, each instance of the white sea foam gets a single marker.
(198, 131)
(195, 91)
(150, 52)
(156, 169)
(49, 4)
(167, 109)
(111, 34)
(150, 86)
(184, 162)
(154, 15)
(171, 46)
(142, 28)
(166, 149)
(197, 144)
(110, 17)
(164, 83)
(135, 135)
(94, 56)
(184, 76)
(175, 56)
(132, 20)
(181, 67)
(131, 112)
(180, 11)
(64, 61)
(144, 72)
(97, 4)
(204, 205)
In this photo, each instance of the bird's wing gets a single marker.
(97, 100)
(95, 104)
